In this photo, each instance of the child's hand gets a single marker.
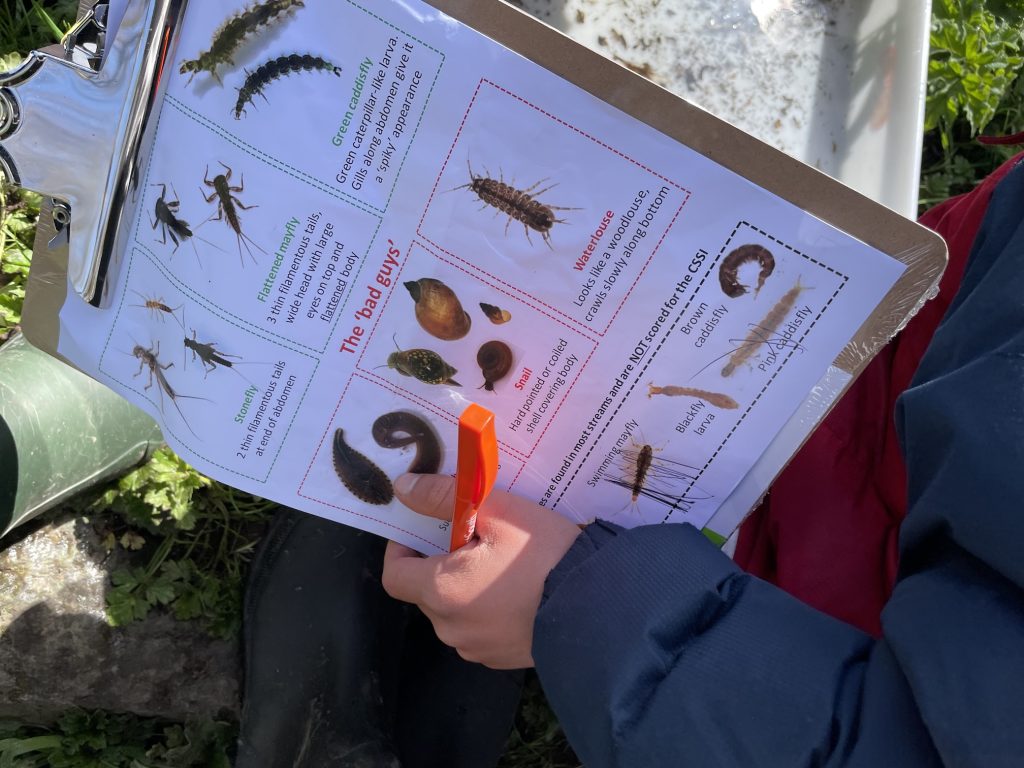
(483, 598)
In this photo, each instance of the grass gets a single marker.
(193, 536)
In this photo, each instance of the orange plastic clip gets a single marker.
(476, 472)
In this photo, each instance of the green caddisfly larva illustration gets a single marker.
(233, 32)
(423, 364)
(400, 429)
(761, 333)
(519, 205)
(728, 271)
(226, 207)
(496, 315)
(712, 398)
(157, 307)
(364, 479)
(438, 310)
(149, 358)
(495, 361)
(269, 71)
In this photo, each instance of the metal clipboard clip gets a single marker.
(76, 119)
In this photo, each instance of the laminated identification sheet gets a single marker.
(359, 217)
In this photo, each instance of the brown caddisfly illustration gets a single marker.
(157, 307)
(149, 358)
(364, 479)
(269, 71)
(226, 207)
(728, 272)
(400, 429)
(759, 333)
(495, 361)
(423, 364)
(233, 32)
(495, 314)
(519, 205)
(712, 398)
(438, 310)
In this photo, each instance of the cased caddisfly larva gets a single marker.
(226, 203)
(271, 70)
(713, 398)
(424, 365)
(519, 205)
(364, 479)
(399, 429)
(438, 310)
(495, 314)
(495, 361)
(728, 272)
(759, 333)
(230, 35)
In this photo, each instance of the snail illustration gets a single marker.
(438, 310)
(495, 314)
(364, 479)
(423, 364)
(495, 361)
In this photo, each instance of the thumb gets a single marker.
(430, 495)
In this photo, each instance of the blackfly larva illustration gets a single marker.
(760, 333)
(233, 32)
(717, 399)
(149, 358)
(269, 71)
(157, 307)
(423, 364)
(495, 361)
(400, 429)
(519, 205)
(364, 479)
(438, 310)
(226, 207)
(496, 315)
(728, 272)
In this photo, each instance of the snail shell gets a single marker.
(401, 428)
(364, 479)
(495, 314)
(423, 364)
(438, 310)
(495, 361)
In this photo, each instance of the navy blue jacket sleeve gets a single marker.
(656, 650)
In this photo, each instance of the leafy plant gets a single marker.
(19, 210)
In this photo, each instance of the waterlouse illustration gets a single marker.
(271, 70)
(496, 315)
(495, 361)
(400, 429)
(233, 32)
(759, 333)
(438, 310)
(226, 203)
(712, 398)
(424, 365)
(519, 205)
(728, 272)
(364, 479)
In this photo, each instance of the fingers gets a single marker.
(405, 573)
(431, 495)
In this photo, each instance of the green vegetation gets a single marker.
(194, 536)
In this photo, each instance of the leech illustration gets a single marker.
(712, 398)
(149, 358)
(157, 307)
(424, 365)
(495, 361)
(226, 203)
(233, 32)
(438, 310)
(364, 479)
(400, 429)
(282, 66)
(519, 205)
(728, 272)
(495, 314)
(759, 333)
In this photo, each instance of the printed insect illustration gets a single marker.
(226, 207)
(760, 333)
(271, 70)
(728, 272)
(149, 358)
(519, 205)
(364, 479)
(712, 398)
(157, 307)
(400, 429)
(233, 32)
(423, 364)
(165, 214)
(208, 353)
(643, 473)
